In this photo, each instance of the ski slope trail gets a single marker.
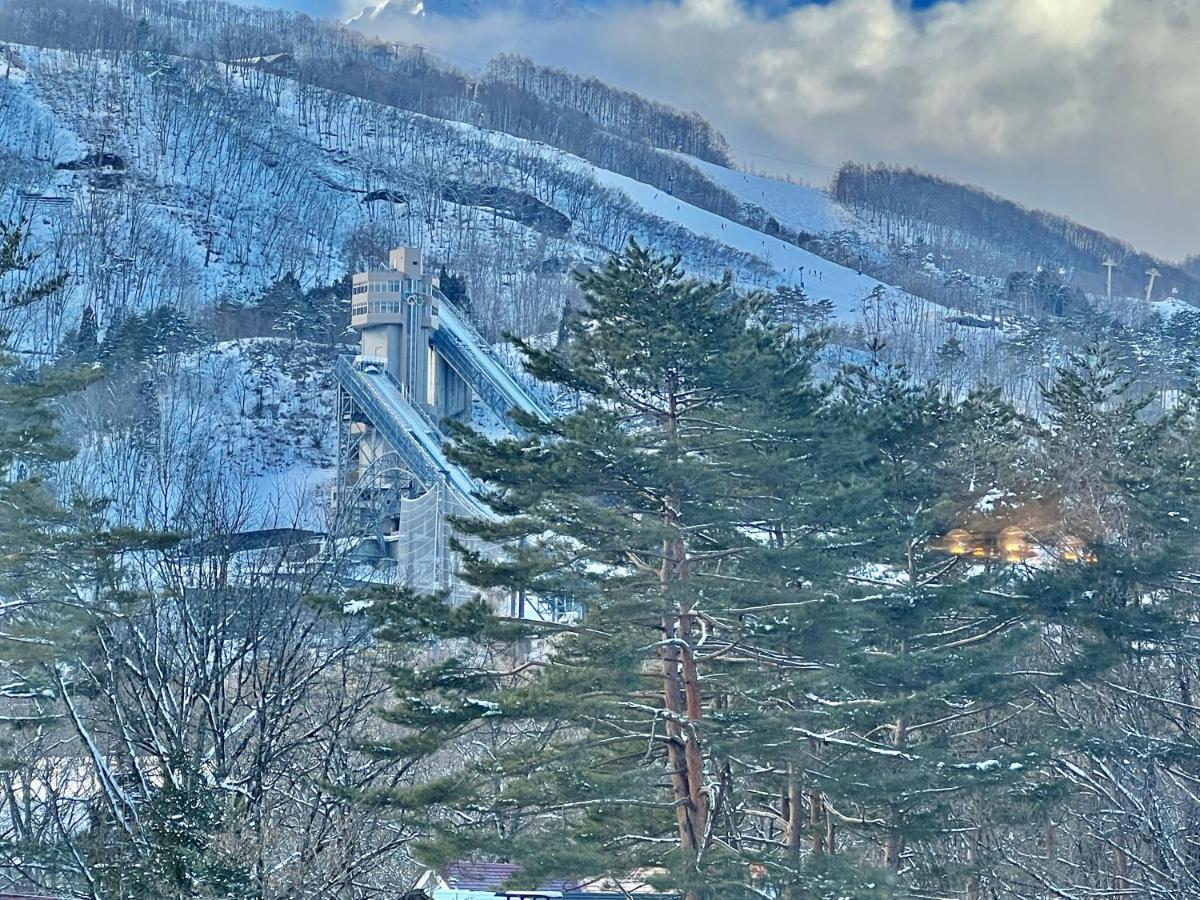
(799, 207)
(819, 277)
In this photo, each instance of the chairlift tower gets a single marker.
(1154, 274)
(1110, 264)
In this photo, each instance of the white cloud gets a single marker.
(1086, 107)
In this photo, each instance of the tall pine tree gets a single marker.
(650, 509)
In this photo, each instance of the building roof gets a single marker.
(488, 876)
(491, 877)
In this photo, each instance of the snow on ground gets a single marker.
(799, 207)
(312, 218)
(294, 497)
(284, 196)
(789, 264)
(273, 415)
(1171, 306)
(819, 277)
(243, 427)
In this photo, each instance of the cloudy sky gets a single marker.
(1086, 107)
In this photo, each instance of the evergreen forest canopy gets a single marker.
(781, 678)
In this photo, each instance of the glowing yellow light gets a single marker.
(957, 542)
(1014, 544)
(1075, 550)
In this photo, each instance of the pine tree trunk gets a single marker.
(681, 691)
(695, 712)
(817, 815)
(793, 825)
(676, 755)
(973, 888)
(816, 820)
(681, 696)
(894, 846)
(892, 850)
(1120, 868)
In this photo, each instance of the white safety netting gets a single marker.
(420, 546)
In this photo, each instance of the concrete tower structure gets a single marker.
(395, 311)
(397, 492)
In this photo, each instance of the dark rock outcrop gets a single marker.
(509, 204)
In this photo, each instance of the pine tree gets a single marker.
(1124, 486)
(87, 339)
(698, 453)
(47, 560)
(786, 678)
(142, 336)
(792, 304)
(927, 639)
(283, 304)
(33, 528)
(1100, 435)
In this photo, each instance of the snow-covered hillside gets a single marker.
(380, 15)
(158, 180)
(224, 179)
(235, 436)
(792, 265)
(799, 207)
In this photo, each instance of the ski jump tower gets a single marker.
(420, 363)
(396, 314)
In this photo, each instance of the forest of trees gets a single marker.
(898, 608)
(622, 112)
(1001, 235)
(276, 209)
(611, 128)
(782, 676)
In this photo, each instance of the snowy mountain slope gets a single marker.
(799, 207)
(757, 260)
(159, 180)
(245, 427)
(234, 177)
(792, 265)
(381, 14)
